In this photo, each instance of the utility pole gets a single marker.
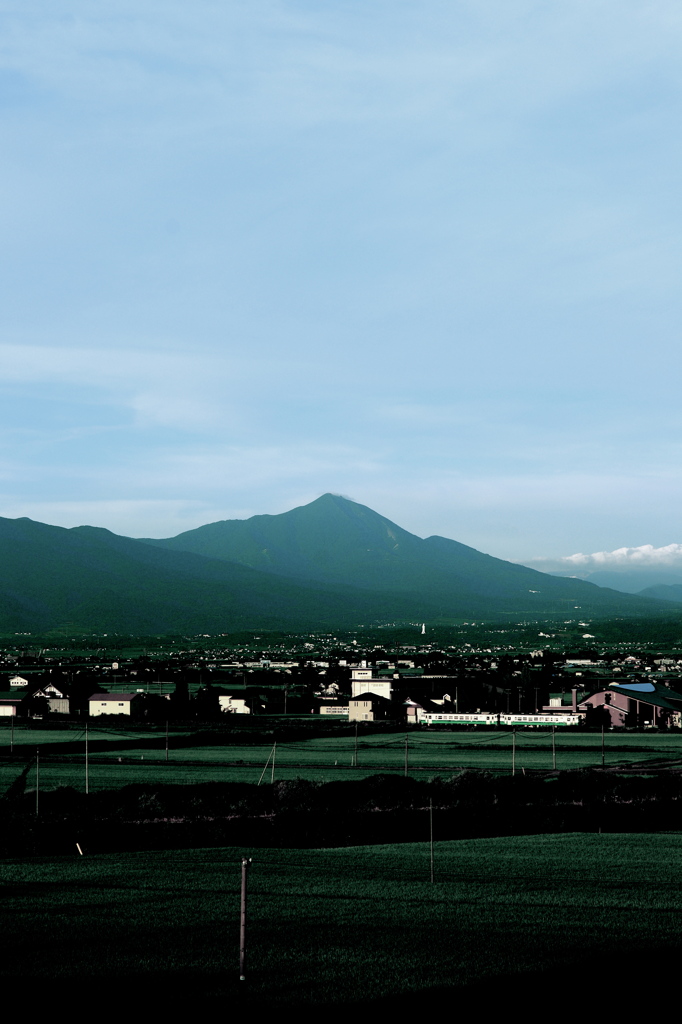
(431, 835)
(554, 747)
(265, 768)
(242, 921)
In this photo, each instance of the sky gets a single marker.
(422, 254)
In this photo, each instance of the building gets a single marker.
(369, 707)
(111, 703)
(362, 681)
(233, 705)
(337, 710)
(635, 704)
(9, 702)
(58, 700)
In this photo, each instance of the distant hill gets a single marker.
(664, 592)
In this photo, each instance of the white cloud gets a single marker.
(644, 555)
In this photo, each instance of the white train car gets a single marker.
(541, 721)
(486, 718)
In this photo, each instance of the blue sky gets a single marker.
(426, 255)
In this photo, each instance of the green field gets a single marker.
(26, 736)
(344, 926)
(325, 759)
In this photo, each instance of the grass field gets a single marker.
(525, 915)
(25, 736)
(330, 758)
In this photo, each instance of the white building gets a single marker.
(362, 681)
(234, 705)
(111, 703)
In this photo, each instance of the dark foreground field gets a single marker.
(533, 921)
(376, 810)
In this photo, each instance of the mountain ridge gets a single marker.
(334, 539)
(330, 564)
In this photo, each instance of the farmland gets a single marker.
(124, 757)
(337, 927)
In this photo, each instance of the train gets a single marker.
(491, 719)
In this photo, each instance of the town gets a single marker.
(335, 677)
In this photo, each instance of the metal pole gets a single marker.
(406, 755)
(37, 780)
(242, 921)
(272, 773)
(355, 753)
(514, 750)
(602, 746)
(87, 766)
(431, 835)
(166, 739)
(11, 739)
(554, 747)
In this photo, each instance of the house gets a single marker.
(9, 703)
(57, 699)
(112, 703)
(369, 707)
(414, 711)
(634, 704)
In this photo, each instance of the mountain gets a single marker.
(332, 564)
(88, 579)
(337, 541)
(664, 592)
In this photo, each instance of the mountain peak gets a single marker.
(332, 561)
